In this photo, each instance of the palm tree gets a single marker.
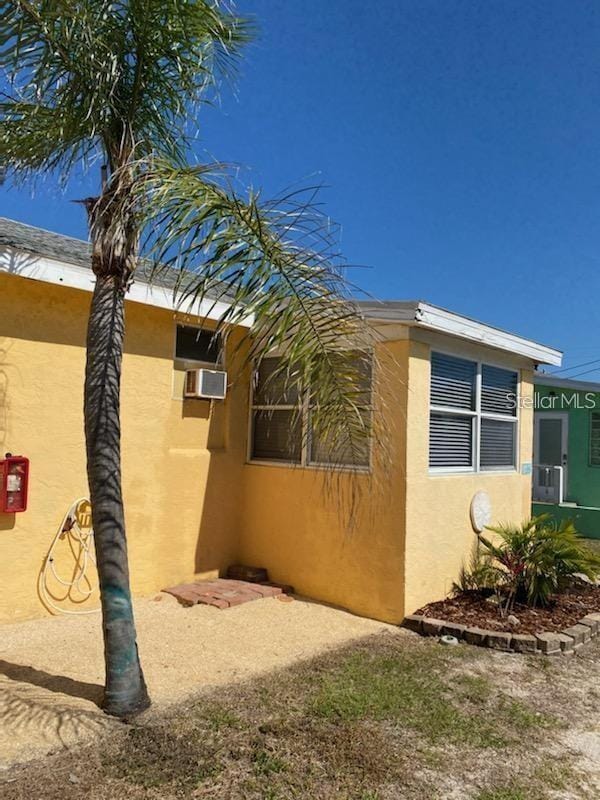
(118, 83)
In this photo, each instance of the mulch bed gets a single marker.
(475, 610)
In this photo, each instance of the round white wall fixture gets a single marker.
(481, 511)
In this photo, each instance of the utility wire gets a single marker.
(585, 372)
(576, 366)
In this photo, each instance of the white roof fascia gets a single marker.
(425, 315)
(60, 273)
(447, 322)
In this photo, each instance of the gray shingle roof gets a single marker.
(74, 251)
(44, 243)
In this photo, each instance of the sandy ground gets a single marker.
(52, 670)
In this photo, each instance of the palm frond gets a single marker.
(278, 263)
(120, 77)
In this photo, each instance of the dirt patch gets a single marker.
(475, 610)
(52, 670)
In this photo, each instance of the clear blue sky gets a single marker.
(459, 141)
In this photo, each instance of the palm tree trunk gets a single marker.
(125, 690)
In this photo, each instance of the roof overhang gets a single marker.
(41, 268)
(424, 315)
(540, 379)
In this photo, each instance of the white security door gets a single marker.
(550, 454)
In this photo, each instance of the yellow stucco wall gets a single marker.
(294, 520)
(406, 551)
(180, 461)
(193, 504)
(439, 535)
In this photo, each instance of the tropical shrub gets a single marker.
(537, 559)
(480, 575)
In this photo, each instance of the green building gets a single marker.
(566, 452)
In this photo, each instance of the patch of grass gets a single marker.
(504, 794)
(217, 717)
(266, 763)
(543, 666)
(475, 688)
(560, 775)
(541, 784)
(523, 717)
(153, 756)
(415, 690)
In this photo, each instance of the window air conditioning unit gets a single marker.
(210, 384)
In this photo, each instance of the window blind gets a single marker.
(274, 389)
(473, 415)
(283, 418)
(452, 382)
(276, 435)
(497, 444)
(498, 391)
(450, 440)
(340, 449)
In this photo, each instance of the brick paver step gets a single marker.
(221, 592)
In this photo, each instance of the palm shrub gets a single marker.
(481, 574)
(537, 559)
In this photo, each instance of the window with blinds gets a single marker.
(339, 446)
(595, 438)
(450, 441)
(284, 426)
(276, 412)
(473, 416)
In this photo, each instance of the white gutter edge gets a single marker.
(445, 321)
(60, 273)
(424, 315)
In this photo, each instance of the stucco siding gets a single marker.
(379, 544)
(439, 534)
(296, 522)
(181, 462)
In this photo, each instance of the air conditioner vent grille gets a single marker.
(210, 384)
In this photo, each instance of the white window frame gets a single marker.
(477, 415)
(304, 411)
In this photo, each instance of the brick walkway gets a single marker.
(221, 593)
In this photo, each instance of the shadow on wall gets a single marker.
(15, 262)
(217, 545)
(47, 303)
(4, 347)
(187, 470)
(49, 313)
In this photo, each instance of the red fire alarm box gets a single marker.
(14, 482)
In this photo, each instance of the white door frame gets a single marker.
(563, 416)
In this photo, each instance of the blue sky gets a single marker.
(459, 143)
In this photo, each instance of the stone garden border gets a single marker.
(548, 643)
